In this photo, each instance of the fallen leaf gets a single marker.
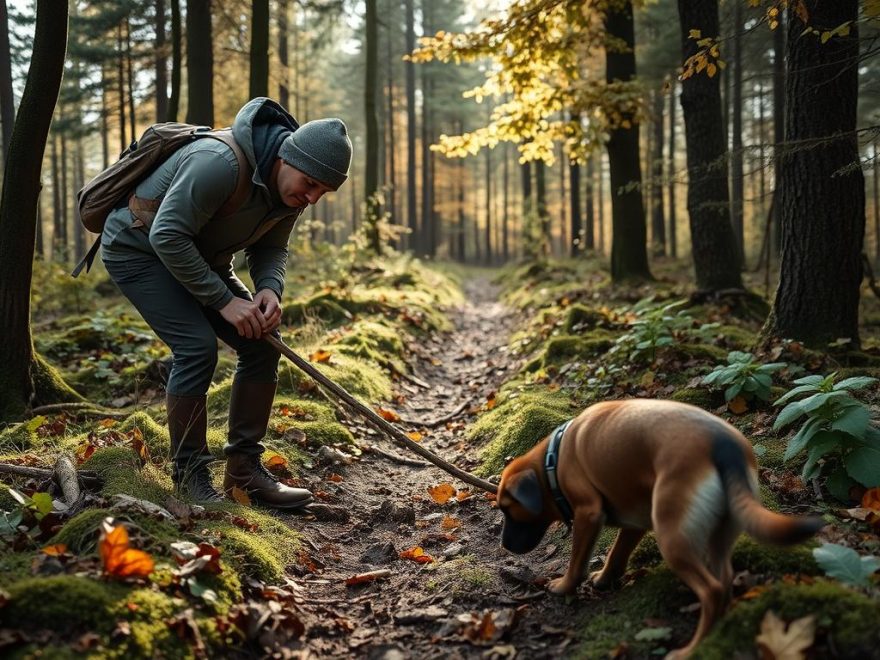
(417, 555)
(335, 478)
(737, 405)
(276, 461)
(450, 523)
(363, 578)
(441, 493)
(871, 499)
(780, 642)
(320, 356)
(120, 560)
(240, 496)
(55, 550)
(107, 423)
(415, 436)
(388, 415)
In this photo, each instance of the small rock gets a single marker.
(389, 510)
(328, 513)
(453, 550)
(431, 613)
(121, 402)
(379, 553)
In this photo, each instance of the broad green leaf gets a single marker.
(818, 400)
(863, 465)
(42, 503)
(763, 379)
(732, 391)
(653, 634)
(854, 421)
(751, 385)
(772, 366)
(845, 564)
(823, 443)
(855, 383)
(739, 356)
(802, 438)
(790, 413)
(9, 522)
(788, 396)
(814, 379)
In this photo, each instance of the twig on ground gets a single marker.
(90, 479)
(440, 420)
(79, 409)
(373, 449)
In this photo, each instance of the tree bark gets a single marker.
(412, 219)
(577, 233)
(120, 87)
(778, 127)
(7, 100)
(658, 221)
(590, 218)
(823, 187)
(161, 63)
(736, 157)
(629, 252)
(673, 228)
(176, 62)
(18, 207)
(259, 78)
(713, 243)
(199, 63)
(284, 78)
(371, 173)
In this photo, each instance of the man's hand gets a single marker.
(268, 302)
(247, 317)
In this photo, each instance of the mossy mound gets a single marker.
(154, 434)
(368, 382)
(756, 557)
(516, 425)
(254, 554)
(848, 623)
(580, 318)
(325, 433)
(374, 342)
(568, 347)
(19, 438)
(120, 467)
(703, 398)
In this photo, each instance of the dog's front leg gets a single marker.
(587, 524)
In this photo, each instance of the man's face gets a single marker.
(296, 189)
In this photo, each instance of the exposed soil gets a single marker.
(474, 599)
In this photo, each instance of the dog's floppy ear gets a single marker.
(525, 488)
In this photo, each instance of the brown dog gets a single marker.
(645, 465)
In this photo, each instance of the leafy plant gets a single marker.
(743, 376)
(845, 564)
(838, 432)
(656, 326)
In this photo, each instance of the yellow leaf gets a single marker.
(55, 550)
(276, 461)
(450, 523)
(320, 356)
(774, 25)
(416, 554)
(711, 70)
(825, 37)
(415, 436)
(388, 415)
(694, 34)
(782, 642)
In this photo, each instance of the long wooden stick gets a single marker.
(374, 420)
(90, 479)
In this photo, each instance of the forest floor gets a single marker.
(480, 594)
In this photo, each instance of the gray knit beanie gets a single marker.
(321, 149)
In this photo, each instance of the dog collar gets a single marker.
(551, 461)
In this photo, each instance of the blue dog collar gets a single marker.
(551, 462)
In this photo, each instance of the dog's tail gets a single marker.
(758, 521)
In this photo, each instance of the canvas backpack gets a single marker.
(101, 195)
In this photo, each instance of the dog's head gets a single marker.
(521, 500)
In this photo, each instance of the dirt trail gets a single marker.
(445, 609)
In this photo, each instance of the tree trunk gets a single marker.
(876, 192)
(673, 229)
(600, 175)
(712, 239)
(284, 77)
(176, 62)
(7, 100)
(199, 63)
(19, 367)
(778, 128)
(105, 117)
(505, 213)
(371, 172)
(259, 78)
(120, 87)
(823, 187)
(577, 234)
(736, 157)
(129, 71)
(412, 219)
(590, 219)
(658, 221)
(629, 252)
(488, 256)
(392, 164)
(57, 233)
(161, 63)
(541, 208)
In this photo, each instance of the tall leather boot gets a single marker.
(250, 406)
(188, 426)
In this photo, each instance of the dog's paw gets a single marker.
(560, 586)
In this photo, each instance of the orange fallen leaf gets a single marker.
(415, 436)
(276, 461)
(55, 550)
(737, 405)
(320, 356)
(363, 578)
(450, 523)
(490, 401)
(871, 499)
(120, 560)
(388, 415)
(463, 494)
(240, 496)
(107, 423)
(754, 592)
(441, 492)
(417, 555)
(335, 478)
